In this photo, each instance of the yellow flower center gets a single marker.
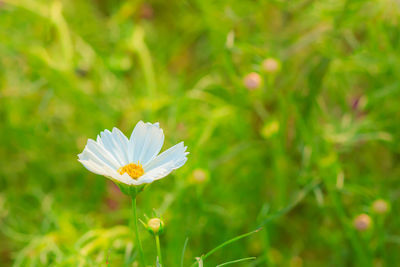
(134, 170)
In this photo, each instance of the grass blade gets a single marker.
(236, 261)
(227, 243)
(184, 250)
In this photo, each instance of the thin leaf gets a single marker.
(184, 250)
(227, 243)
(236, 261)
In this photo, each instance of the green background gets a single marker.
(301, 156)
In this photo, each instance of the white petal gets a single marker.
(145, 143)
(164, 164)
(116, 143)
(175, 154)
(88, 156)
(124, 178)
(109, 173)
(93, 167)
(94, 163)
(123, 143)
(99, 154)
(161, 171)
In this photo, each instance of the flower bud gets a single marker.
(362, 222)
(146, 11)
(199, 176)
(271, 65)
(155, 226)
(380, 206)
(252, 81)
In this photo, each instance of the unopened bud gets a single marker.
(146, 11)
(271, 65)
(380, 206)
(199, 176)
(252, 81)
(362, 222)
(155, 226)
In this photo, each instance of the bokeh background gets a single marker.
(306, 146)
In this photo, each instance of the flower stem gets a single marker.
(159, 250)
(137, 238)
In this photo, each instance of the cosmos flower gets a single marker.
(134, 161)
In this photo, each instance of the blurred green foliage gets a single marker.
(301, 156)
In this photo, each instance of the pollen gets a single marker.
(132, 169)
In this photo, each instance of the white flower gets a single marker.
(134, 161)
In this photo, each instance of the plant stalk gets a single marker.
(159, 250)
(138, 243)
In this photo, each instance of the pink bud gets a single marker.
(252, 81)
(362, 222)
(271, 65)
(380, 206)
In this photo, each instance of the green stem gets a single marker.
(159, 250)
(267, 245)
(360, 253)
(137, 238)
(381, 240)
